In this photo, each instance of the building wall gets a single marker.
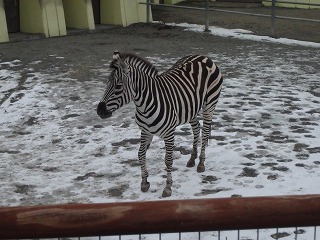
(53, 17)
(296, 4)
(3, 24)
(78, 14)
(172, 1)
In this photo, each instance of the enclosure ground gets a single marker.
(55, 149)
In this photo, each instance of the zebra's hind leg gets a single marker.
(169, 143)
(196, 132)
(146, 139)
(207, 118)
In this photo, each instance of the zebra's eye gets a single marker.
(118, 86)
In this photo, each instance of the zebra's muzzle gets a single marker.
(102, 110)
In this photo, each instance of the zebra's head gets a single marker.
(116, 94)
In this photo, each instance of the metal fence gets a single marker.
(208, 9)
(159, 217)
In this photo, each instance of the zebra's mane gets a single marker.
(135, 60)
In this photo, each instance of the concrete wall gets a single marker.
(172, 1)
(3, 24)
(122, 12)
(78, 14)
(45, 16)
(167, 1)
(296, 4)
(52, 17)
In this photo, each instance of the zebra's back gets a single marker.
(180, 93)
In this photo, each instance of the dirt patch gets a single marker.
(249, 172)
(24, 188)
(118, 191)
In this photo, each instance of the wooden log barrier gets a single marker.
(80, 220)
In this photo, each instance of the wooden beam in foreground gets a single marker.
(80, 220)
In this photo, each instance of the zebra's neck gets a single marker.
(140, 64)
(141, 88)
(142, 79)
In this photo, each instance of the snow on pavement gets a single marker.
(55, 149)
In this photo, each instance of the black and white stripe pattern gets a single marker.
(164, 101)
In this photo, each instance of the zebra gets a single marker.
(163, 102)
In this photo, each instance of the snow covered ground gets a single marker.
(265, 136)
(243, 35)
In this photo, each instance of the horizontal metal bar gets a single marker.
(233, 12)
(240, 13)
(173, 6)
(263, 15)
(126, 218)
(299, 19)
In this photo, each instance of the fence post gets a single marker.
(206, 29)
(148, 11)
(273, 10)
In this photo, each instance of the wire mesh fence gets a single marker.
(296, 233)
(206, 9)
(304, 233)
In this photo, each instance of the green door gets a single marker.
(96, 11)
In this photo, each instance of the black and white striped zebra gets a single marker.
(164, 101)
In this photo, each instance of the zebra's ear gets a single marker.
(116, 54)
(121, 67)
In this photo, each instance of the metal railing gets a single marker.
(155, 217)
(208, 9)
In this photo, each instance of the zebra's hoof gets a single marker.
(201, 168)
(190, 163)
(145, 186)
(166, 192)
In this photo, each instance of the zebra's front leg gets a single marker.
(169, 144)
(195, 125)
(146, 139)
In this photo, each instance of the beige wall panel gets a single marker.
(130, 9)
(112, 12)
(61, 18)
(89, 15)
(172, 1)
(295, 5)
(314, 2)
(122, 12)
(4, 37)
(143, 11)
(50, 19)
(42, 16)
(79, 14)
(31, 16)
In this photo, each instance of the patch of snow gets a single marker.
(243, 34)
